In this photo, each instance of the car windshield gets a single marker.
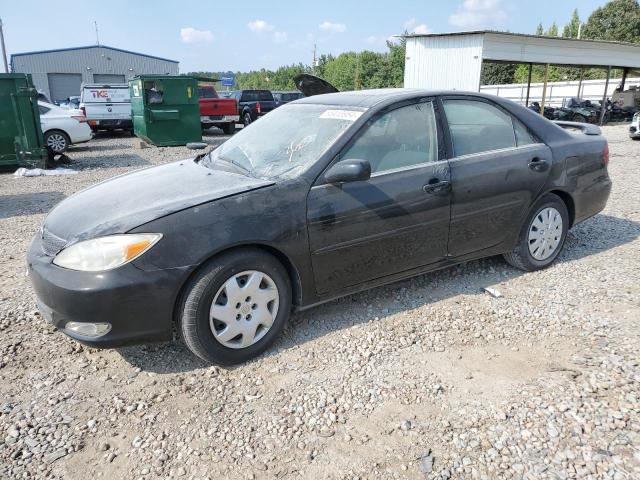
(285, 142)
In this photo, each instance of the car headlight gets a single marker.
(105, 253)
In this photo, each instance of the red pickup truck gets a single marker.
(216, 111)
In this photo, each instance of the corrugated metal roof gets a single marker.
(527, 35)
(90, 46)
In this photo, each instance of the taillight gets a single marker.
(258, 107)
(605, 154)
(80, 118)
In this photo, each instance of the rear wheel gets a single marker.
(579, 118)
(246, 119)
(229, 128)
(235, 307)
(542, 235)
(57, 141)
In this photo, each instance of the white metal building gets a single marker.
(453, 61)
(59, 73)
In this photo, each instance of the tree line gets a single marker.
(617, 20)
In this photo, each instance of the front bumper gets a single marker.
(138, 304)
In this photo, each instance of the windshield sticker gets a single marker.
(351, 115)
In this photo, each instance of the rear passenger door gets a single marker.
(497, 168)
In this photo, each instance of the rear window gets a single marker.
(478, 127)
(290, 97)
(257, 96)
(204, 92)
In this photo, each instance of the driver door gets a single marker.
(396, 220)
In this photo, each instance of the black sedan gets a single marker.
(323, 197)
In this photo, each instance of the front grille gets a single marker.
(51, 244)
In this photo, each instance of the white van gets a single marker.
(107, 107)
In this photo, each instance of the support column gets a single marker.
(544, 88)
(603, 106)
(625, 72)
(580, 82)
(526, 102)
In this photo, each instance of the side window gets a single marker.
(478, 127)
(43, 110)
(401, 138)
(523, 136)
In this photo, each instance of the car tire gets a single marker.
(213, 309)
(246, 119)
(579, 118)
(57, 141)
(537, 247)
(229, 128)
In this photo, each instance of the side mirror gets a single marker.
(349, 171)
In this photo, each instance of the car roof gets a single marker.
(373, 97)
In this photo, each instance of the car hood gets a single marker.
(311, 85)
(131, 200)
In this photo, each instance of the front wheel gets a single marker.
(235, 307)
(542, 235)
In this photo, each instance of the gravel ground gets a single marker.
(427, 378)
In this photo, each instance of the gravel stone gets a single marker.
(540, 383)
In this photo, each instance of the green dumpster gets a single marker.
(21, 142)
(165, 109)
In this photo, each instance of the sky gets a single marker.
(248, 35)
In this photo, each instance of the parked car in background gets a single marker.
(62, 127)
(107, 107)
(70, 102)
(216, 111)
(252, 104)
(285, 97)
(326, 196)
(634, 128)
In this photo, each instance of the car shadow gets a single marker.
(111, 162)
(596, 235)
(28, 203)
(93, 147)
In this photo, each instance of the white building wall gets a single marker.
(444, 63)
(557, 92)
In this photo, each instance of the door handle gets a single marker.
(537, 164)
(436, 186)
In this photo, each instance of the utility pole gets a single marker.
(315, 60)
(95, 23)
(4, 50)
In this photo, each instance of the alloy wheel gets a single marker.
(244, 309)
(56, 142)
(545, 233)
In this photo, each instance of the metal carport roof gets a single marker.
(454, 60)
(522, 48)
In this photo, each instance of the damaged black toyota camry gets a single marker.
(321, 198)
